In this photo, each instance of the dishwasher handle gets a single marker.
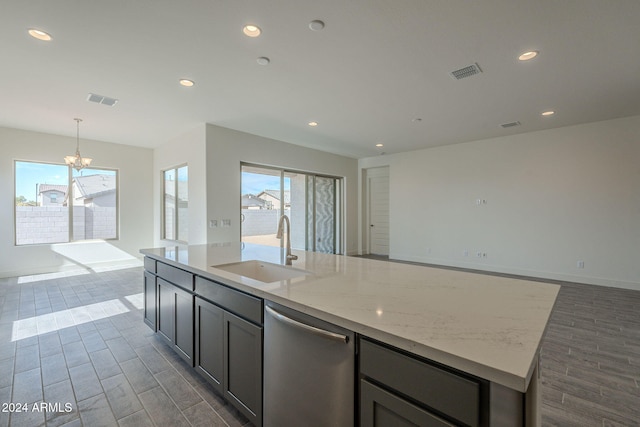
(312, 329)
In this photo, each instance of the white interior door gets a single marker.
(378, 210)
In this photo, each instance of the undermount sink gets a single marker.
(262, 271)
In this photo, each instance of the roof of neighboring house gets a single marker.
(251, 200)
(276, 195)
(42, 188)
(95, 185)
(183, 191)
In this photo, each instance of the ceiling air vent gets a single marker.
(469, 71)
(510, 125)
(104, 100)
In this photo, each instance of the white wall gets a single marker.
(189, 149)
(553, 198)
(135, 171)
(227, 148)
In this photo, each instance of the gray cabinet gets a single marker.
(175, 318)
(397, 388)
(149, 290)
(243, 366)
(166, 310)
(228, 340)
(381, 408)
(215, 328)
(209, 357)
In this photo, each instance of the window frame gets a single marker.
(176, 216)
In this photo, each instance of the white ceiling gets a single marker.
(377, 65)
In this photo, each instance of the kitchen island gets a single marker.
(478, 327)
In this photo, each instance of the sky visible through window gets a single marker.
(28, 174)
(255, 183)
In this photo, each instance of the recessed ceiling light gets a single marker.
(251, 30)
(379, 145)
(186, 82)
(548, 113)
(528, 55)
(416, 120)
(316, 25)
(263, 60)
(39, 34)
(313, 124)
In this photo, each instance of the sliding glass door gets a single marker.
(311, 201)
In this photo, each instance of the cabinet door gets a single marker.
(166, 310)
(209, 356)
(243, 366)
(149, 289)
(183, 334)
(380, 408)
(175, 318)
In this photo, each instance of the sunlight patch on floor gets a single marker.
(44, 323)
(50, 276)
(137, 300)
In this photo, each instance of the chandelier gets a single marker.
(77, 162)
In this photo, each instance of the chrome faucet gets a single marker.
(279, 235)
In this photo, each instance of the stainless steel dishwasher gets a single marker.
(309, 371)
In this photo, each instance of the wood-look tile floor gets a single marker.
(591, 358)
(80, 340)
(78, 344)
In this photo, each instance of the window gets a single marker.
(57, 204)
(175, 204)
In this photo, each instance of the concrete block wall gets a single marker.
(260, 222)
(48, 224)
(101, 223)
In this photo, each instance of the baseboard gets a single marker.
(521, 272)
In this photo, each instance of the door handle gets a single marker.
(312, 329)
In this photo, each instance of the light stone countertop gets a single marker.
(488, 326)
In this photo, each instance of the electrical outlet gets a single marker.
(580, 264)
(226, 223)
(213, 223)
(465, 253)
(427, 251)
(479, 254)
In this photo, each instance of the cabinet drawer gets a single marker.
(380, 408)
(176, 276)
(237, 302)
(150, 265)
(448, 393)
